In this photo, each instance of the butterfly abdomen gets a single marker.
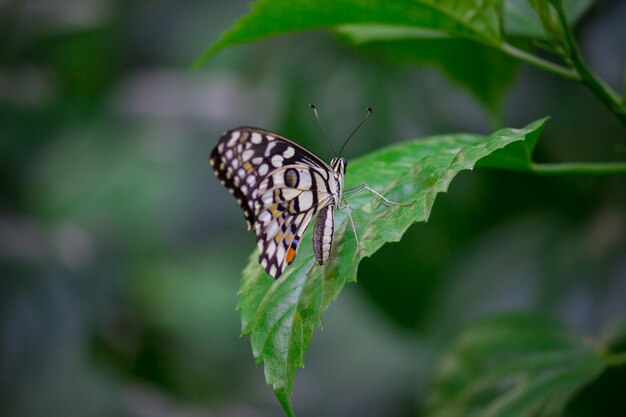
(323, 234)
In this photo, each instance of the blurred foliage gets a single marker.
(485, 72)
(512, 365)
(120, 254)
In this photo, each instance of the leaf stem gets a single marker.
(540, 62)
(595, 84)
(586, 168)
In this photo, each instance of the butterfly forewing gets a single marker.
(279, 185)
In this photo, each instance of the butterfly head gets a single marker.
(339, 165)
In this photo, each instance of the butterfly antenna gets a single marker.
(319, 122)
(369, 113)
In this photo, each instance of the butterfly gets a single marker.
(281, 186)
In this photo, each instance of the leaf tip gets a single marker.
(285, 401)
(205, 56)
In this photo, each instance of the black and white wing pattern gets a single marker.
(280, 186)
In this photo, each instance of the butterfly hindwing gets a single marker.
(277, 250)
(287, 201)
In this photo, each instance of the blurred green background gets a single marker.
(120, 253)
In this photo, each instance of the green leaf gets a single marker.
(517, 156)
(280, 315)
(475, 19)
(520, 19)
(484, 71)
(513, 365)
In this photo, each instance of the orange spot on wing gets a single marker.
(291, 253)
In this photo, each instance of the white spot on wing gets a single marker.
(279, 179)
(271, 248)
(305, 179)
(290, 193)
(289, 152)
(267, 198)
(263, 169)
(271, 230)
(233, 139)
(247, 155)
(268, 150)
(256, 138)
(265, 216)
(277, 161)
(280, 254)
(305, 200)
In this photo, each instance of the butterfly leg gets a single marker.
(379, 197)
(356, 236)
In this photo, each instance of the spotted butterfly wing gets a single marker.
(280, 186)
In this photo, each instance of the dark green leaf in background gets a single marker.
(513, 365)
(463, 38)
(280, 315)
(482, 70)
(472, 19)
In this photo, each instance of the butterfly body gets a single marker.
(280, 187)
